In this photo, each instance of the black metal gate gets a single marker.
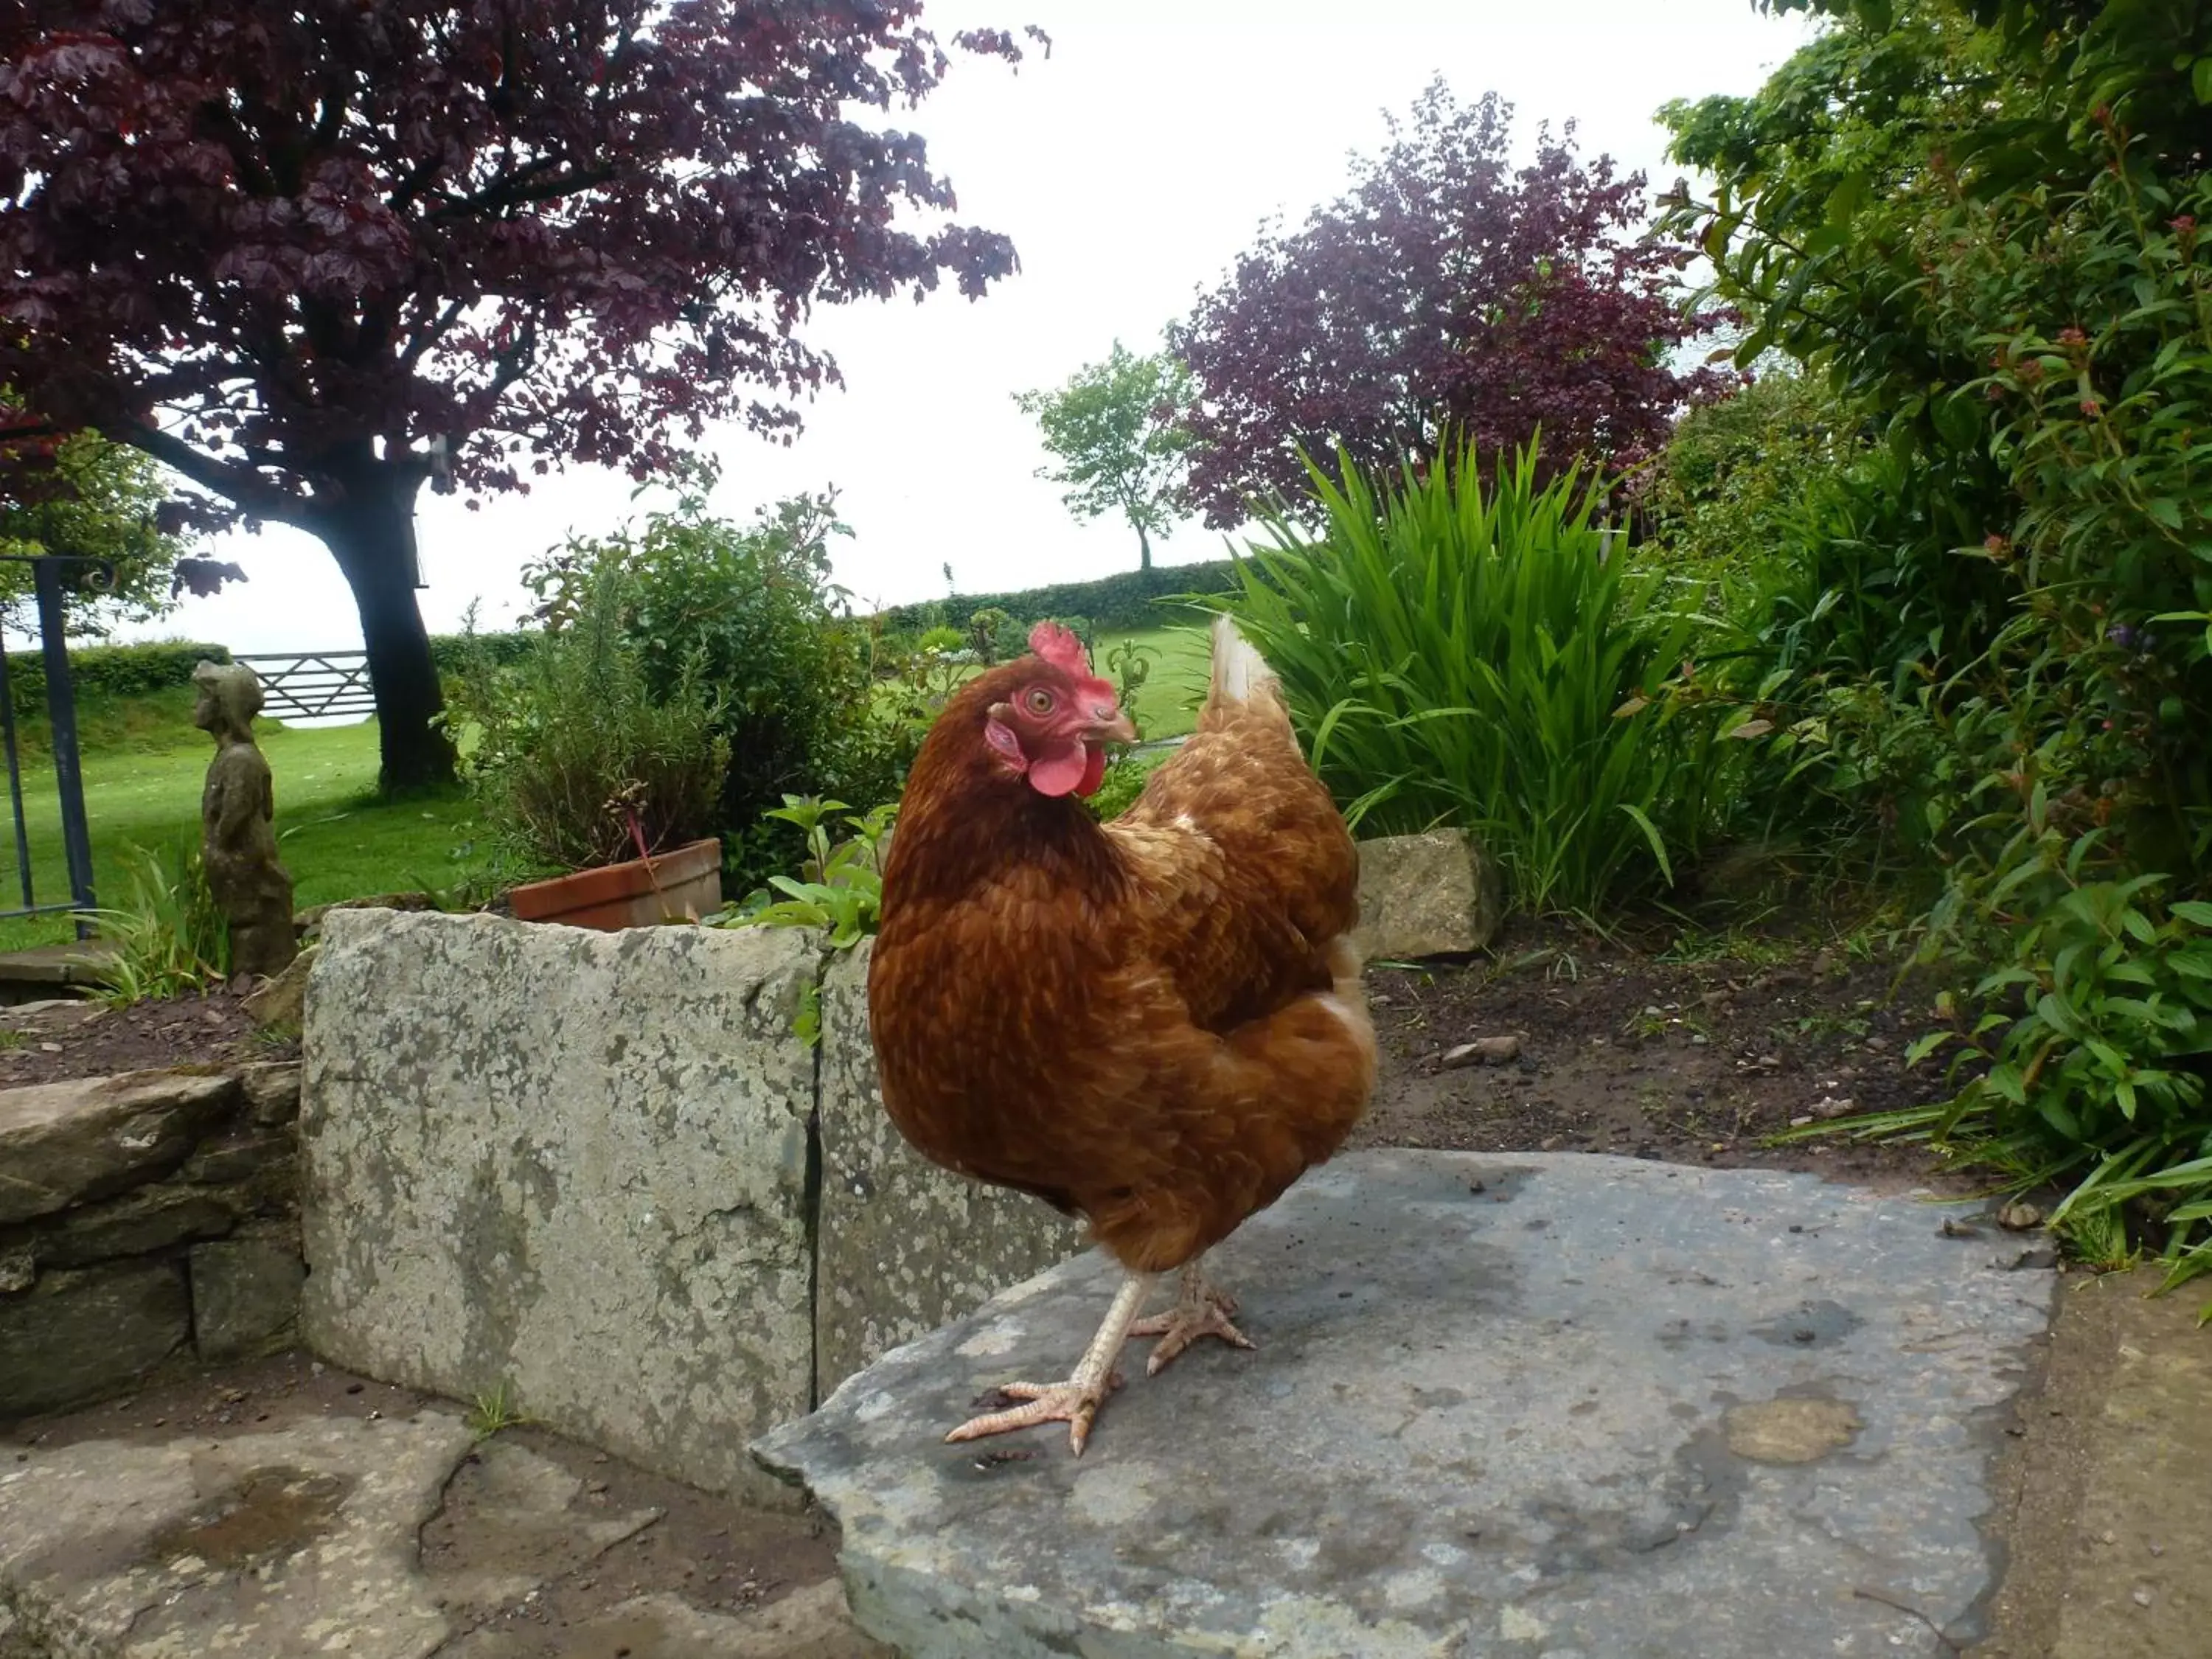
(61, 717)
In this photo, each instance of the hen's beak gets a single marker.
(1110, 724)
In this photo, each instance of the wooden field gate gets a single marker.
(313, 684)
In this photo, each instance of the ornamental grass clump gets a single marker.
(1482, 656)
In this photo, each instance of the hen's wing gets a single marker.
(1242, 869)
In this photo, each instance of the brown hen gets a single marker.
(1156, 1024)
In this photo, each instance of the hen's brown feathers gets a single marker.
(1156, 1022)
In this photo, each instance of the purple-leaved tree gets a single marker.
(1447, 292)
(314, 253)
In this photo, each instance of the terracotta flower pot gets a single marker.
(683, 882)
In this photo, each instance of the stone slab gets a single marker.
(573, 1164)
(1437, 894)
(294, 1542)
(807, 1624)
(135, 1224)
(1536, 1406)
(527, 1528)
(71, 1142)
(905, 1246)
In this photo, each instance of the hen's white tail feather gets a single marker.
(1238, 670)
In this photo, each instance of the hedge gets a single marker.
(110, 671)
(1113, 602)
(115, 672)
(450, 652)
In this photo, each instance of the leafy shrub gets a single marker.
(1454, 655)
(169, 937)
(750, 610)
(1732, 481)
(1119, 789)
(993, 635)
(574, 755)
(456, 654)
(839, 888)
(1986, 224)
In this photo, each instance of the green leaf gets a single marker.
(2200, 78)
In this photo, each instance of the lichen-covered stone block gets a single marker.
(905, 1246)
(574, 1164)
(1430, 895)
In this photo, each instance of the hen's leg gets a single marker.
(1075, 1401)
(1199, 1310)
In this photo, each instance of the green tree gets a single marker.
(1115, 429)
(86, 497)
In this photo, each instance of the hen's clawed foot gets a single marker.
(1074, 1403)
(1199, 1310)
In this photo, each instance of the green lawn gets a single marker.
(1166, 706)
(337, 841)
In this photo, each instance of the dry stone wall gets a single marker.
(144, 1219)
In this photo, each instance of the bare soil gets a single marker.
(1621, 1048)
(48, 1042)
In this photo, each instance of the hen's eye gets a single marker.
(1040, 701)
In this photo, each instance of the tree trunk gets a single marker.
(372, 536)
(1143, 549)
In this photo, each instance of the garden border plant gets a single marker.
(1483, 656)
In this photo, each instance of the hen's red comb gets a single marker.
(1058, 647)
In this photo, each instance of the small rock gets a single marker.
(1801, 1120)
(2141, 1597)
(2020, 1218)
(1698, 1039)
(1768, 1062)
(1483, 1051)
(50, 1048)
(1830, 1106)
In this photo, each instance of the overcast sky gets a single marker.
(1130, 168)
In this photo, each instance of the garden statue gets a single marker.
(239, 847)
